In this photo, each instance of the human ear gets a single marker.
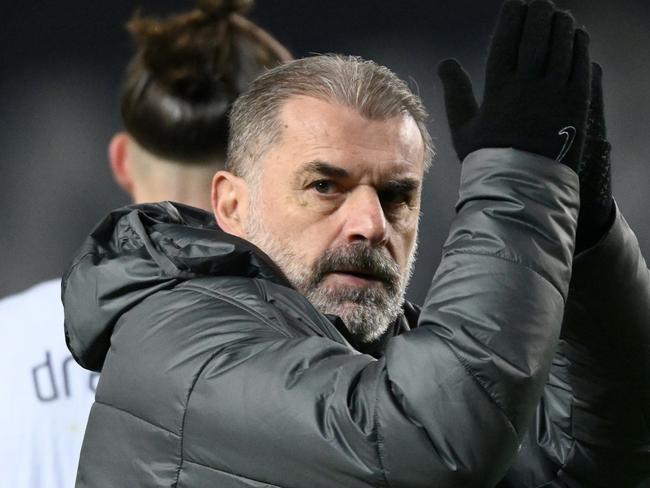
(118, 155)
(229, 202)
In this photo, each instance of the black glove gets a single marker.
(536, 86)
(596, 201)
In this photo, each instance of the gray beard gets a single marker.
(366, 311)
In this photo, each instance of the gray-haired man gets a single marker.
(277, 350)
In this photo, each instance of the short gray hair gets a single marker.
(373, 90)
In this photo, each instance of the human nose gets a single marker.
(364, 217)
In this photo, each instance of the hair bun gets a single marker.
(217, 9)
(188, 69)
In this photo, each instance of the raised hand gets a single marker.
(537, 86)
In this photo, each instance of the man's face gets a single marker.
(337, 207)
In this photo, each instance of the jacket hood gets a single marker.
(138, 250)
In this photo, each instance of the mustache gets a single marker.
(358, 258)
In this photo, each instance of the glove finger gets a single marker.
(596, 122)
(460, 102)
(502, 56)
(534, 45)
(561, 55)
(581, 64)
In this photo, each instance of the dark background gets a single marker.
(62, 62)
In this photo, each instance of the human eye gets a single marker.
(324, 187)
(398, 194)
(394, 197)
(393, 200)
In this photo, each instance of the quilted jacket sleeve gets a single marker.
(448, 403)
(488, 328)
(592, 428)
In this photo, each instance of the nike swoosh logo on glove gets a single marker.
(570, 133)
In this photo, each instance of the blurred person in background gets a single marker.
(276, 348)
(179, 86)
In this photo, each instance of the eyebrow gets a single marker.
(402, 185)
(324, 168)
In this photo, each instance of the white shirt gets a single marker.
(45, 396)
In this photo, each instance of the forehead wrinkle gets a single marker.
(386, 153)
(396, 173)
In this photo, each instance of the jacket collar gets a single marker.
(137, 251)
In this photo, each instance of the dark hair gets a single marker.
(186, 73)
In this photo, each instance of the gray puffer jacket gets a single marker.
(216, 373)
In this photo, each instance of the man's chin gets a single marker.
(365, 309)
(363, 322)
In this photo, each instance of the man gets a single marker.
(159, 156)
(276, 350)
